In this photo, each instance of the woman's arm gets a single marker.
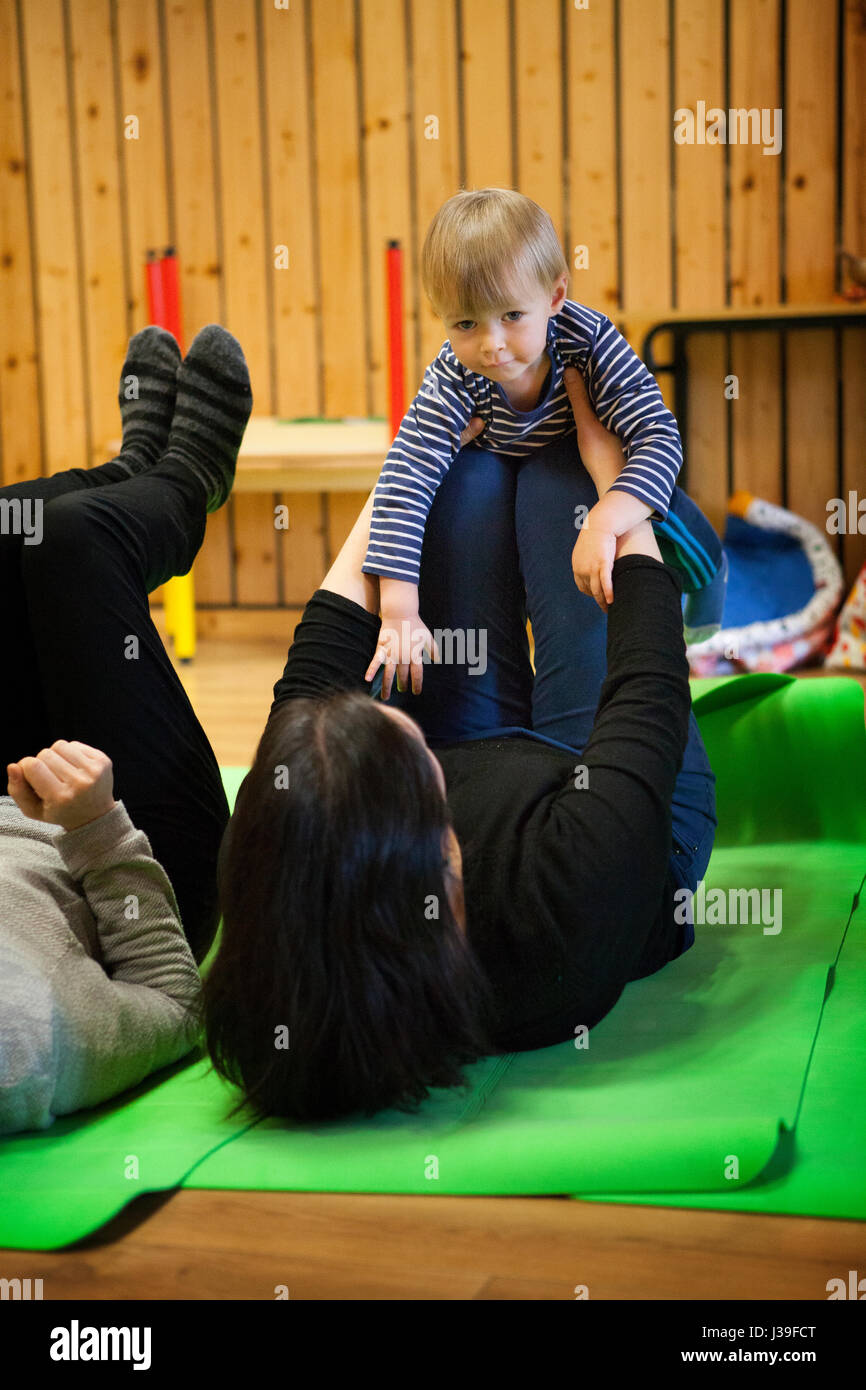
(345, 576)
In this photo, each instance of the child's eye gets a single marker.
(465, 324)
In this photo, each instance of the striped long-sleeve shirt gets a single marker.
(621, 389)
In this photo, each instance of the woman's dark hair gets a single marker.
(342, 982)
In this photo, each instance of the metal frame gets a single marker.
(677, 369)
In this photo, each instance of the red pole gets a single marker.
(171, 295)
(153, 284)
(396, 365)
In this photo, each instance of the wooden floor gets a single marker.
(240, 1245)
(240, 658)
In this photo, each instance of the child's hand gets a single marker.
(68, 784)
(592, 561)
(403, 639)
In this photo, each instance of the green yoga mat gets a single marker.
(732, 1078)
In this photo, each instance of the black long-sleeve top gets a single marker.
(567, 880)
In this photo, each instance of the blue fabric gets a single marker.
(497, 549)
(770, 575)
(705, 608)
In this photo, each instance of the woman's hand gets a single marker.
(68, 784)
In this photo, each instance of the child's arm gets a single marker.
(615, 513)
(594, 552)
(626, 398)
(403, 637)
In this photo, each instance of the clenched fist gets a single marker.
(68, 784)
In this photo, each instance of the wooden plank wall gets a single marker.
(330, 126)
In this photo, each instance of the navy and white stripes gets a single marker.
(621, 390)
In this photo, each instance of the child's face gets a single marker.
(507, 345)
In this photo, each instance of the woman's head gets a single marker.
(485, 247)
(343, 982)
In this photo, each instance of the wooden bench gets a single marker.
(283, 456)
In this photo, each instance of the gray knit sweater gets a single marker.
(93, 998)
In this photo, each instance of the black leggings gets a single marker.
(84, 660)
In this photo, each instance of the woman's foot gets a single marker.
(146, 396)
(690, 545)
(703, 611)
(213, 405)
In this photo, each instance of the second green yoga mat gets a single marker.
(688, 1091)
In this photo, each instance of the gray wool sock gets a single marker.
(213, 405)
(146, 396)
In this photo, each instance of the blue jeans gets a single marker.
(497, 550)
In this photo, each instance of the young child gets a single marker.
(494, 271)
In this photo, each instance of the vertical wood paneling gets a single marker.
(193, 196)
(754, 197)
(811, 415)
(485, 62)
(62, 382)
(853, 171)
(385, 153)
(699, 182)
(647, 139)
(104, 283)
(292, 188)
(706, 442)
(810, 144)
(342, 296)
(436, 147)
(592, 157)
(20, 446)
(810, 244)
(699, 169)
(538, 73)
(291, 181)
(249, 266)
(193, 190)
(342, 287)
(754, 214)
(303, 556)
(756, 422)
(144, 169)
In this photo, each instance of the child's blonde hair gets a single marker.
(483, 246)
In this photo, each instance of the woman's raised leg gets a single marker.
(146, 396)
(570, 632)
(104, 674)
(554, 491)
(472, 597)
